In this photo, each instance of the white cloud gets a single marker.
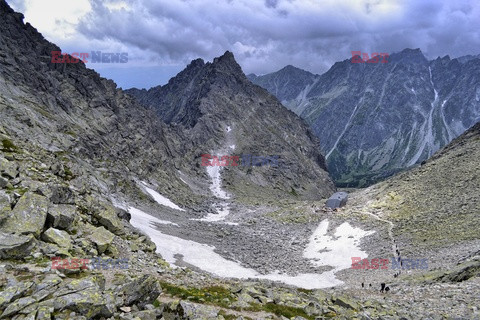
(264, 35)
(55, 19)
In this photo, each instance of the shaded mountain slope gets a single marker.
(285, 84)
(210, 99)
(70, 110)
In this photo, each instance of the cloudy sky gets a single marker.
(162, 36)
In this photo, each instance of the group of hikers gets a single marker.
(383, 286)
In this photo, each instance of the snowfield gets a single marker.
(164, 201)
(204, 256)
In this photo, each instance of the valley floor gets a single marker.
(303, 245)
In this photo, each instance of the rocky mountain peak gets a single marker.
(5, 8)
(197, 63)
(212, 97)
(290, 68)
(408, 55)
(227, 63)
(192, 68)
(226, 58)
(467, 58)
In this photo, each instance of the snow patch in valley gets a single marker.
(144, 218)
(216, 186)
(164, 201)
(306, 280)
(325, 250)
(194, 253)
(214, 172)
(204, 257)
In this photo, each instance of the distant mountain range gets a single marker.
(375, 119)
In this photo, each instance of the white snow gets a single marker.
(232, 147)
(306, 280)
(216, 186)
(164, 201)
(183, 180)
(197, 254)
(229, 129)
(146, 218)
(450, 135)
(204, 257)
(325, 250)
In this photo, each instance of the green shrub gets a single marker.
(8, 146)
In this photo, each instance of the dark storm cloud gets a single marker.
(266, 35)
(271, 3)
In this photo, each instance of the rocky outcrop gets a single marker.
(28, 216)
(142, 291)
(107, 217)
(8, 169)
(61, 216)
(462, 272)
(58, 237)
(102, 239)
(13, 246)
(87, 298)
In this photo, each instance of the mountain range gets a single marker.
(375, 119)
(108, 211)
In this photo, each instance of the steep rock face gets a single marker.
(223, 113)
(177, 103)
(374, 119)
(70, 111)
